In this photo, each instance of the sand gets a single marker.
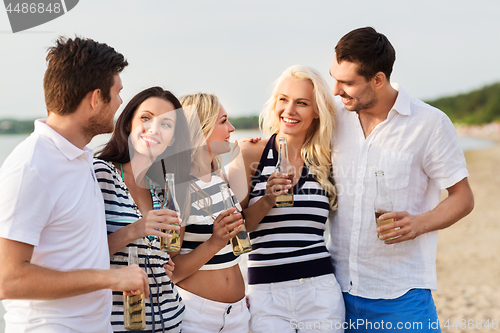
(468, 255)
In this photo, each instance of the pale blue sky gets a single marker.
(238, 48)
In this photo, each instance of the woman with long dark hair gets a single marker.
(151, 137)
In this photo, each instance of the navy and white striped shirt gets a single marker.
(288, 243)
(121, 210)
(199, 226)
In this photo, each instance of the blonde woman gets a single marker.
(206, 270)
(291, 280)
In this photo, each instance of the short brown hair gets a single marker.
(75, 68)
(371, 50)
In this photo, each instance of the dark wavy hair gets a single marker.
(176, 158)
(75, 68)
(368, 48)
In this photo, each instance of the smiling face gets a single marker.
(218, 141)
(357, 93)
(294, 106)
(153, 126)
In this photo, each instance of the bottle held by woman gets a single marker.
(170, 244)
(240, 242)
(283, 166)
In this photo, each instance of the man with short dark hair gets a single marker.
(55, 273)
(386, 283)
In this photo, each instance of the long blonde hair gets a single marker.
(316, 150)
(201, 110)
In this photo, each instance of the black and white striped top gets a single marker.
(121, 210)
(288, 243)
(199, 226)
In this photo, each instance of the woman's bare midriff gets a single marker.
(221, 285)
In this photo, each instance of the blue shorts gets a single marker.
(413, 312)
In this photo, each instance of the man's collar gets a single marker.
(65, 147)
(402, 104)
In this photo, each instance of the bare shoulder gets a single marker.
(252, 151)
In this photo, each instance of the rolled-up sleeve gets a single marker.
(444, 160)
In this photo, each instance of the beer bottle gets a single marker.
(170, 244)
(284, 166)
(134, 310)
(240, 242)
(383, 203)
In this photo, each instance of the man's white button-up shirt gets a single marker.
(417, 148)
(50, 199)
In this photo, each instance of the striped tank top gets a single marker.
(288, 243)
(167, 308)
(206, 205)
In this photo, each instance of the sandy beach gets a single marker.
(468, 256)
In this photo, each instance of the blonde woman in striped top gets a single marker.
(206, 270)
(291, 280)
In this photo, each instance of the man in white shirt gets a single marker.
(387, 283)
(55, 274)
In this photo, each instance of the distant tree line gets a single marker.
(251, 122)
(14, 126)
(476, 107)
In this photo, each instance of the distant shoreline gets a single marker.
(10, 126)
(489, 131)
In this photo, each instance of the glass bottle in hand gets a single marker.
(383, 203)
(240, 242)
(284, 166)
(134, 310)
(170, 244)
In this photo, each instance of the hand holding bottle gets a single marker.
(156, 220)
(404, 227)
(277, 184)
(240, 242)
(225, 227)
(132, 280)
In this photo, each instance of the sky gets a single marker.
(237, 49)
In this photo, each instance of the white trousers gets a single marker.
(205, 316)
(304, 305)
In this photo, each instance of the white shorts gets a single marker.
(205, 316)
(304, 305)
